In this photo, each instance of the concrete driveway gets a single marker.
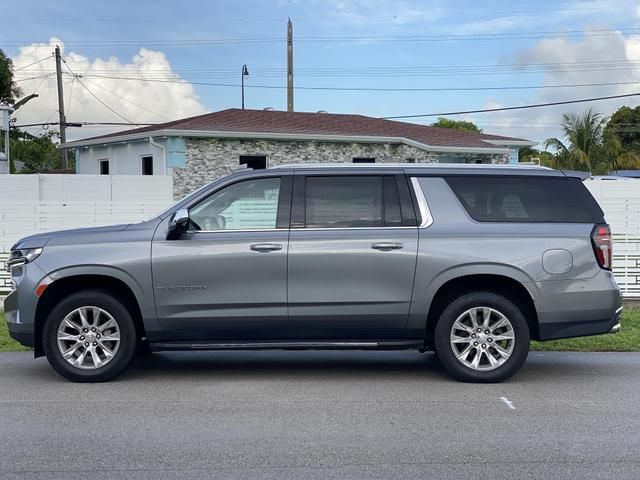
(325, 415)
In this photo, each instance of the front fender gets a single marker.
(142, 297)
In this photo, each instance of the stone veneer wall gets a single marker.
(208, 159)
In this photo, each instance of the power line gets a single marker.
(95, 96)
(350, 38)
(34, 63)
(413, 14)
(104, 104)
(34, 78)
(370, 89)
(73, 82)
(378, 67)
(126, 99)
(25, 125)
(520, 107)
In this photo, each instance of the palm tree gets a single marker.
(583, 137)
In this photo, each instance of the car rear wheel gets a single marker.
(89, 337)
(482, 337)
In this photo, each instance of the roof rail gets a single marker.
(411, 165)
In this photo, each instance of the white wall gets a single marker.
(37, 203)
(40, 203)
(124, 158)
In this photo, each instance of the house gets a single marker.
(198, 149)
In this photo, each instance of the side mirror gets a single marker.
(179, 224)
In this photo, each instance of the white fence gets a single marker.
(41, 203)
(38, 203)
(620, 200)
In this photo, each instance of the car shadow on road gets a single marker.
(294, 364)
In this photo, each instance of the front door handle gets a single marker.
(387, 246)
(265, 247)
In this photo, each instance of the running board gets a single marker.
(289, 345)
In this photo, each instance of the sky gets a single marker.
(154, 61)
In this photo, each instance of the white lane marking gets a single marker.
(508, 402)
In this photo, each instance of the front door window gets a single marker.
(246, 205)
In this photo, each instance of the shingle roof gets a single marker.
(274, 122)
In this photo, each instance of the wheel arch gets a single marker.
(502, 283)
(75, 280)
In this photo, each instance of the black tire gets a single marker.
(110, 304)
(495, 301)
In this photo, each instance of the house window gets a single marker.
(256, 162)
(411, 160)
(364, 160)
(104, 167)
(147, 164)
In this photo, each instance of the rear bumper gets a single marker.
(553, 331)
(578, 308)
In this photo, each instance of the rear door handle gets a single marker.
(265, 247)
(387, 246)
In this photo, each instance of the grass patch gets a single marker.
(8, 344)
(627, 340)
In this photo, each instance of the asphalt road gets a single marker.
(325, 415)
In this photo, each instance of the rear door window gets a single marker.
(353, 201)
(525, 199)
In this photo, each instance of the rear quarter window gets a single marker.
(526, 199)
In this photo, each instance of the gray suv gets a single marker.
(470, 261)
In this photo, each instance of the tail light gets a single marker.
(601, 241)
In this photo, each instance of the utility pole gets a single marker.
(63, 120)
(245, 73)
(289, 66)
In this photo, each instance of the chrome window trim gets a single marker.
(254, 230)
(425, 213)
(301, 229)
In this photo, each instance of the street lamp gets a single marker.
(245, 73)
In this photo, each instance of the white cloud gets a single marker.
(135, 100)
(585, 60)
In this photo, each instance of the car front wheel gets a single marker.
(89, 337)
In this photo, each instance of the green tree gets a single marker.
(582, 144)
(457, 125)
(9, 91)
(39, 153)
(625, 125)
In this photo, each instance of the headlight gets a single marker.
(19, 257)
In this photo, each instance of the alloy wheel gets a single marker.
(482, 338)
(88, 337)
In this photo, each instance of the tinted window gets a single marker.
(335, 202)
(518, 199)
(246, 205)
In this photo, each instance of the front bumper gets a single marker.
(20, 305)
(27, 339)
(19, 331)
